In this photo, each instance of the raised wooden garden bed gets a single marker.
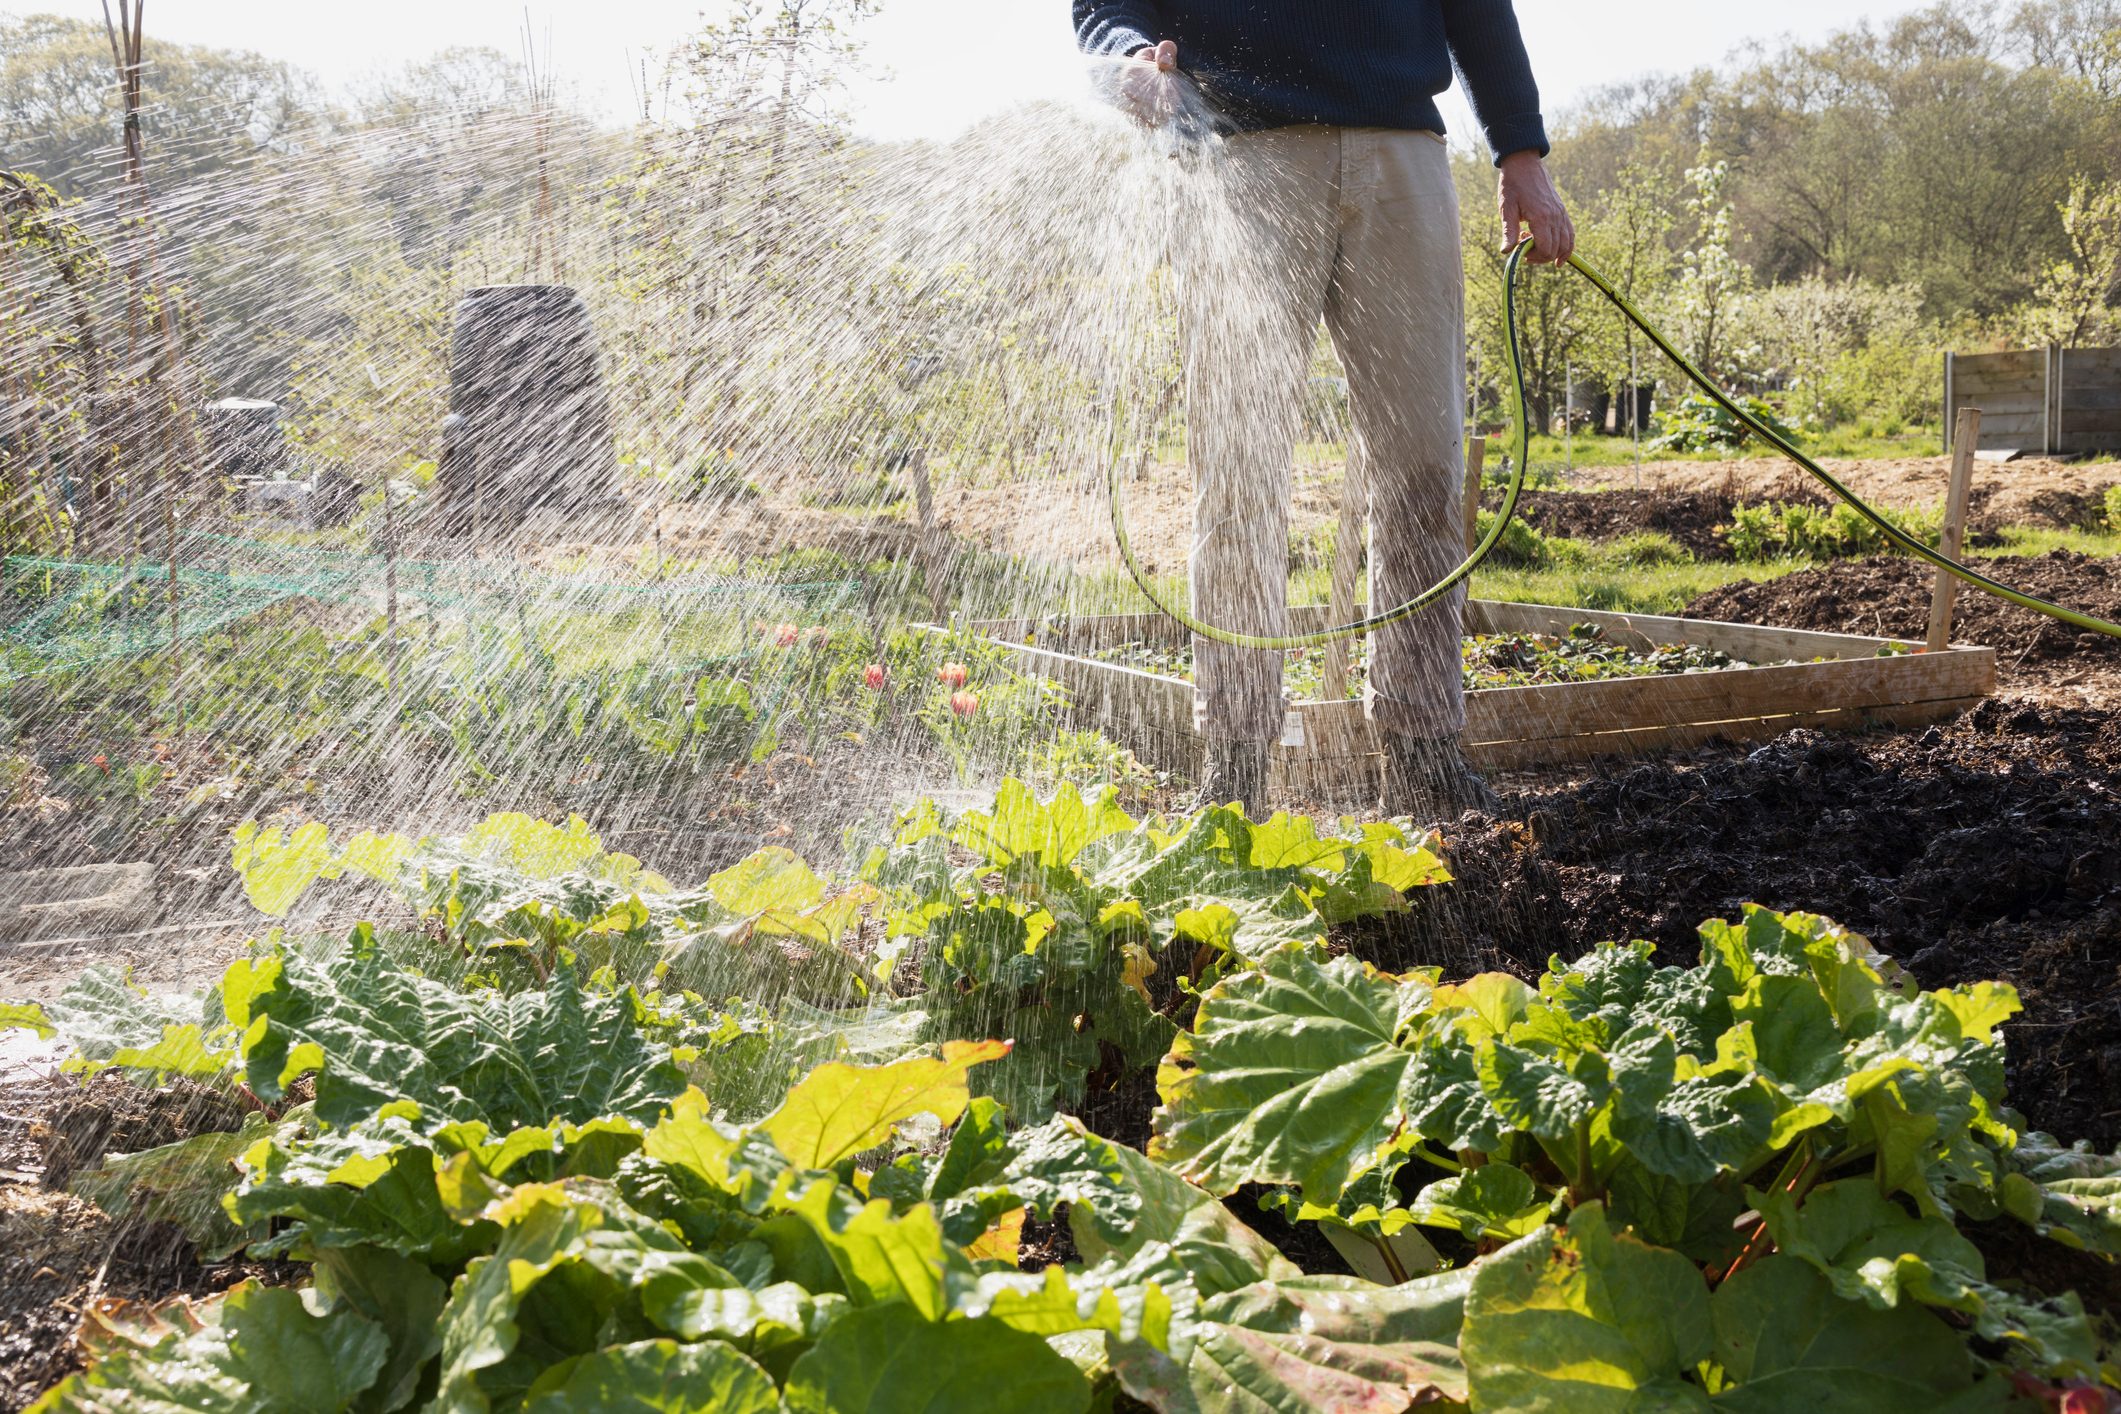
(1825, 680)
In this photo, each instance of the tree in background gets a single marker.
(2078, 38)
(1711, 279)
(1555, 320)
(1842, 350)
(1627, 231)
(52, 364)
(2074, 297)
(212, 108)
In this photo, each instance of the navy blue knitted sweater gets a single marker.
(1354, 63)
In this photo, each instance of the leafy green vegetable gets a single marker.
(374, 1032)
(657, 1377)
(887, 1360)
(1787, 1342)
(563, 1181)
(841, 1110)
(257, 1350)
(184, 1182)
(1582, 1318)
(1783, 1074)
(1290, 1075)
(1092, 903)
(1329, 1343)
(670, 1257)
(107, 1021)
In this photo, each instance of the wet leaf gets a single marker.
(888, 1360)
(1290, 1076)
(839, 1110)
(1582, 1319)
(657, 1377)
(258, 1350)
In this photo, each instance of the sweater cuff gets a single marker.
(1520, 132)
(1116, 41)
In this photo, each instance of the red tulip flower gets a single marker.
(952, 675)
(786, 636)
(964, 703)
(873, 677)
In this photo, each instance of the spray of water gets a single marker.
(625, 461)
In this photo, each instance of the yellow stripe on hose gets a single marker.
(1511, 273)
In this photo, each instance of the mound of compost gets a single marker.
(58, 1252)
(1986, 848)
(1888, 596)
(1693, 518)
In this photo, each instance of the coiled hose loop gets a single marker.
(1512, 274)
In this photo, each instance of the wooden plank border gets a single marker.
(1836, 681)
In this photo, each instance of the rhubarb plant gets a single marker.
(543, 1217)
(1057, 922)
(1041, 919)
(1736, 1182)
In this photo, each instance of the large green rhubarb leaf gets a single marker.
(657, 1377)
(1055, 832)
(279, 865)
(258, 1350)
(1290, 1076)
(541, 1296)
(402, 1298)
(374, 1185)
(184, 1183)
(889, 1360)
(1217, 1252)
(1871, 1250)
(2073, 1195)
(1788, 1342)
(1336, 1344)
(1496, 1200)
(839, 1110)
(1584, 1320)
(107, 1021)
(374, 1032)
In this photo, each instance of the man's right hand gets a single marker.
(1148, 85)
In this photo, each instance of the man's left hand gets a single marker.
(1529, 201)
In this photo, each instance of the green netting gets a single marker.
(57, 614)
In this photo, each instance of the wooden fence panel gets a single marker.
(2054, 400)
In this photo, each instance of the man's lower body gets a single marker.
(1360, 226)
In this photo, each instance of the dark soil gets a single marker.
(1986, 848)
(2057, 508)
(59, 1253)
(1696, 518)
(1693, 518)
(111, 1115)
(1888, 596)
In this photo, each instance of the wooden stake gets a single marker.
(176, 612)
(390, 588)
(934, 567)
(1476, 465)
(1966, 436)
(1347, 572)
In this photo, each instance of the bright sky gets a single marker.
(950, 62)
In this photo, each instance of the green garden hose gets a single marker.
(1512, 272)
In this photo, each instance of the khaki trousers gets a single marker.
(1359, 225)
